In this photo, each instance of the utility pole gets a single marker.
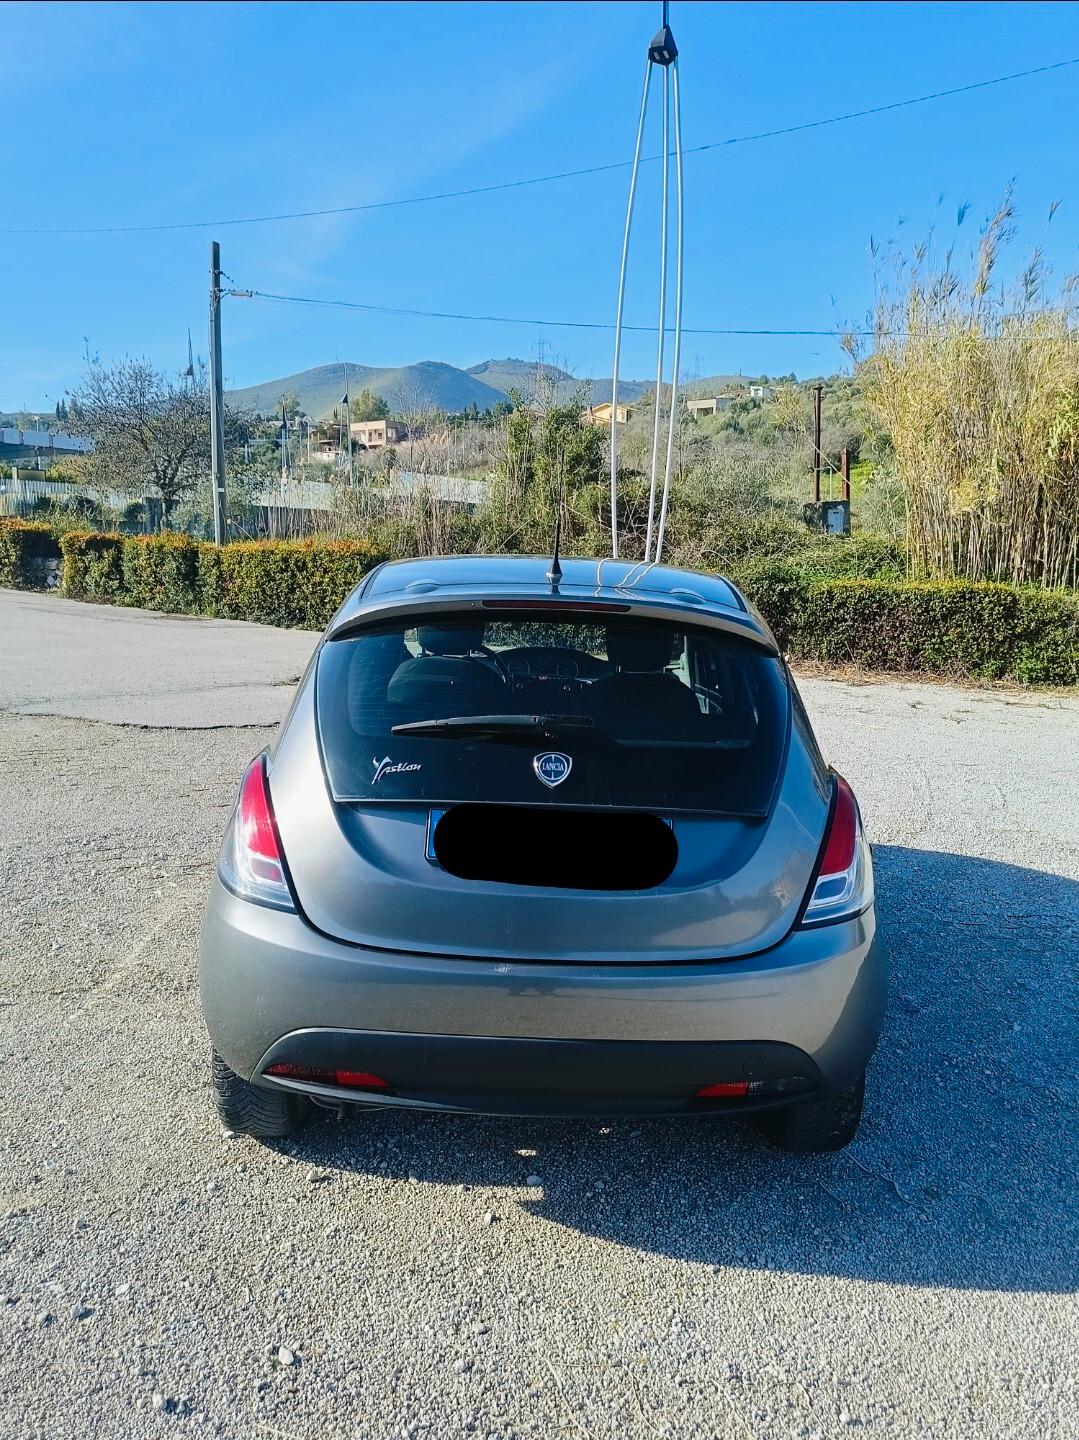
(348, 430)
(818, 391)
(217, 397)
(844, 474)
(284, 449)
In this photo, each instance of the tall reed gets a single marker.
(977, 386)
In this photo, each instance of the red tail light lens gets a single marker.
(724, 1090)
(844, 883)
(319, 1075)
(842, 833)
(252, 863)
(360, 1080)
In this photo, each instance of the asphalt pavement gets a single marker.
(396, 1275)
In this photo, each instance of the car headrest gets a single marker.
(454, 639)
(639, 648)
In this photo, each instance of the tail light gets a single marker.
(252, 863)
(844, 884)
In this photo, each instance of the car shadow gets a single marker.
(962, 1175)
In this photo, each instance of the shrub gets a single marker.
(25, 547)
(778, 589)
(161, 572)
(986, 631)
(93, 566)
(958, 628)
(852, 557)
(281, 582)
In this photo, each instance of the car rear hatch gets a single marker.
(538, 786)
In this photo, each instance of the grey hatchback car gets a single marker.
(543, 841)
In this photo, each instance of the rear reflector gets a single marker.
(317, 1075)
(724, 1090)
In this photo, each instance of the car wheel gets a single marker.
(826, 1122)
(250, 1110)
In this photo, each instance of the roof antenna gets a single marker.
(554, 570)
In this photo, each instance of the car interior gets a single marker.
(636, 681)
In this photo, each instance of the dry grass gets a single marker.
(977, 385)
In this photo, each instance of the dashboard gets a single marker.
(549, 665)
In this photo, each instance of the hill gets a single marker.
(519, 375)
(430, 384)
(523, 375)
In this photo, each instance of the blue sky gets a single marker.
(141, 114)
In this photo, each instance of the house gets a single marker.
(375, 434)
(601, 414)
(762, 392)
(708, 405)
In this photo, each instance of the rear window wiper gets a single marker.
(494, 725)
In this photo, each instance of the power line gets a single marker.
(542, 179)
(833, 334)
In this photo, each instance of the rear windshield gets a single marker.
(544, 710)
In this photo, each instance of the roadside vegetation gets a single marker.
(959, 422)
(974, 386)
(956, 628)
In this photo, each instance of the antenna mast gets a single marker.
(662, 53)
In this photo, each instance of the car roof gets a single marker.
(433, 581)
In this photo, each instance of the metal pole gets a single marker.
(679, 254)
(217, 398)
(663, 212)
(844, 474)
(818, 391)
(618, 312)
(348, 428)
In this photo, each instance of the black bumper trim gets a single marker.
(491, 1075)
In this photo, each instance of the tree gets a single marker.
(290, 405)
(61, 411)
(368, 406)
(151, 434)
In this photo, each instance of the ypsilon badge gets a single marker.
(386, 766)
(552, 768)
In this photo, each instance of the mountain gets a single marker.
(519, 375)
(430, 384)
(523, 375)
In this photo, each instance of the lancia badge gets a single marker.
(552, 768)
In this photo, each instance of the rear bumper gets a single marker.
(488, 1075)
(507, 1037)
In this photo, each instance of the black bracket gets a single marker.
(663, 50)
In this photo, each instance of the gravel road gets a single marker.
(395, 1276)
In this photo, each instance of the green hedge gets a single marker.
(955, 628)
(280, 582)
(291, 583)
(93, 566)
(161, 572)
(990, 632)
(24, 547)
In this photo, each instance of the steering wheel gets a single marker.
(499, 664)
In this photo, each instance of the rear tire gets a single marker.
(248, 1109)
(826, 1122)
